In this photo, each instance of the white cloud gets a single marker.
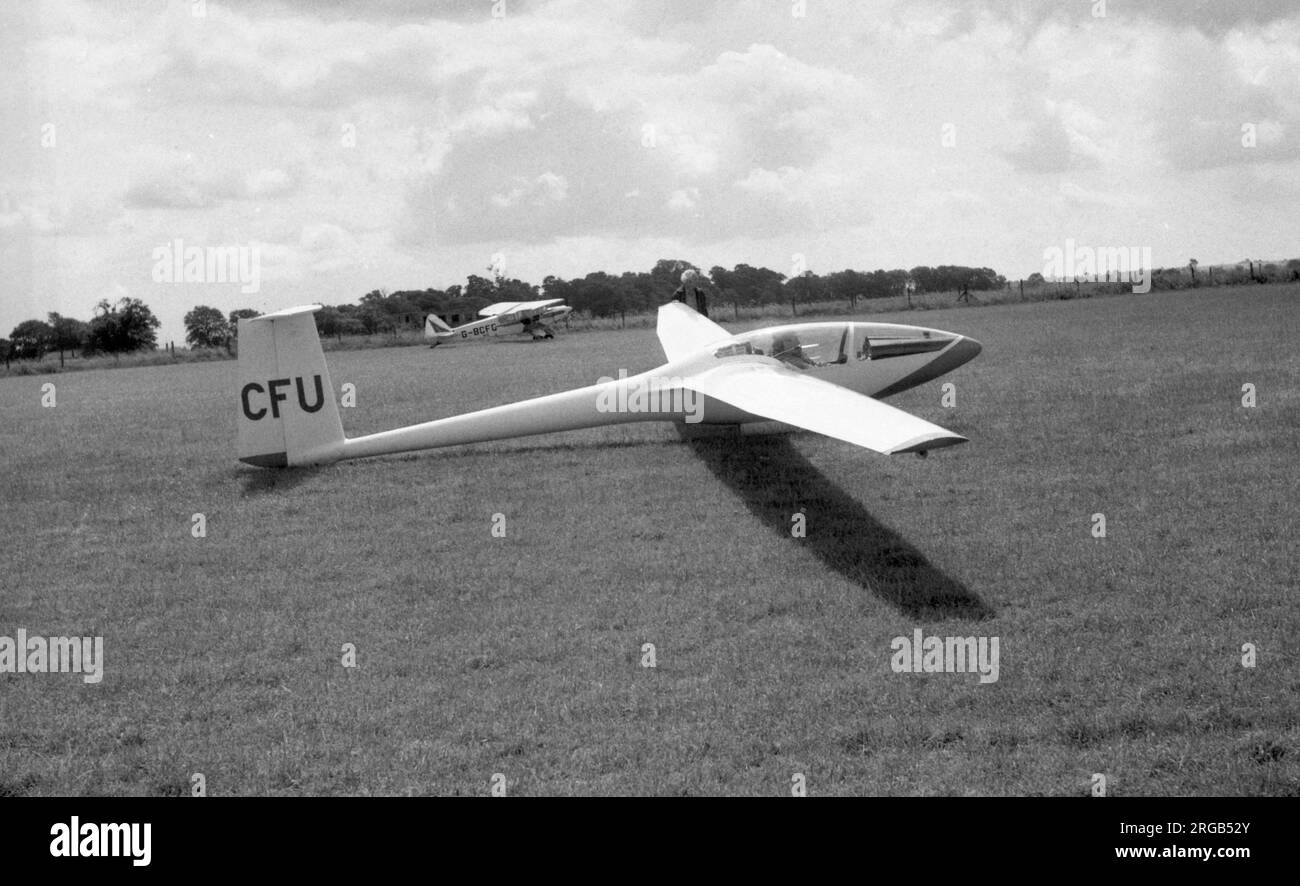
(39, 214)
(268, 183)
(684, 199)
(779, 182)
(546, 188)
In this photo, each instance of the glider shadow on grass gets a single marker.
(774, 481)
(259, 481)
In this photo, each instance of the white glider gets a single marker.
(502, 318)
(825, 377)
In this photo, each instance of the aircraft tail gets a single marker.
(287, 411)
(434, 327)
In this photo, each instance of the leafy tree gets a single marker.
(480, 289)
(328, 320)
(126, 326)
(31, 339)
(806, 287)
(206, 327)
(404, 304)
(241, 314)
(372, 318)
(555, 287)
(428, 300)
(849, 285)
(69, 333)
(638, 289)
(510, 289)
(761, 285)
(597, 293)
(946, 278)
(747, 285)
(722, 279)
(883, 284)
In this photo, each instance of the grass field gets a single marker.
(523, 655)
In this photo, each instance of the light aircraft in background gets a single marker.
(502, 318)
(824, 377)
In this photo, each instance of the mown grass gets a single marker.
(522, 655)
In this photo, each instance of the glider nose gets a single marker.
(965, 350)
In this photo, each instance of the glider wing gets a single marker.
(785, 395)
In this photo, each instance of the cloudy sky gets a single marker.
(405, 144)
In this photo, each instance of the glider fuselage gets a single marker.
(873, 359)
(823, 377)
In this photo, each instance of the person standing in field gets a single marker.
(691, 283)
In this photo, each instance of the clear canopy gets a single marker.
(806, 346)
(802, 347)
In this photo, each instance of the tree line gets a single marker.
(129, 325)
(601, 294)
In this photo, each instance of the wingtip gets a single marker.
(289, 312)
(927, 442)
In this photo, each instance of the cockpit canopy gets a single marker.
(809, 345)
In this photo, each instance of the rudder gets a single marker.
(287, 411)
(433, 326)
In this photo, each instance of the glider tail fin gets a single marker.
(287, 411)
(433, 326)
